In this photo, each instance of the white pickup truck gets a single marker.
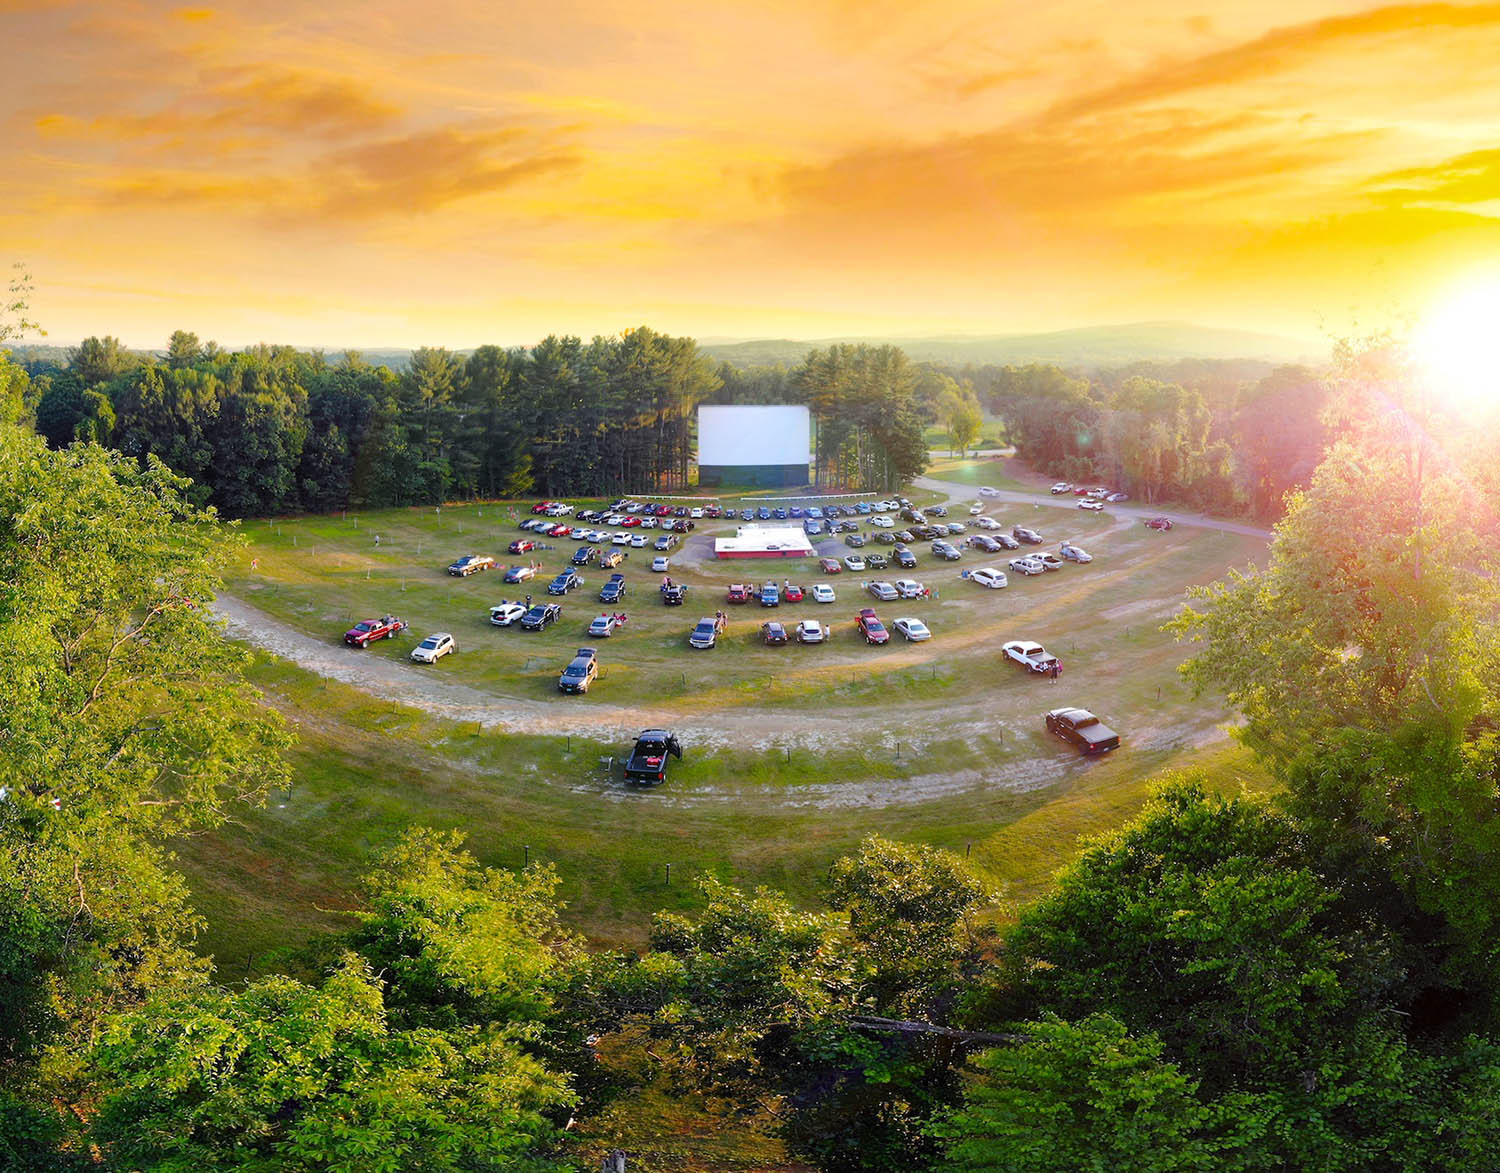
(1032, 656)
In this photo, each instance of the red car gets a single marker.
(559, 531)
(831, 566)
(713, 511)
(542, 506)
(521, 546)
(363, 634)
(739, 593)
(630, 521)
(793, 593)
(1081, 491)
(1162, 523)
(871, 628)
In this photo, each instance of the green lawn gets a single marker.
(796, 753)
(987, 470)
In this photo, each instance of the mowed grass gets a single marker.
(820, 746)
(366, 770)
(985, 470)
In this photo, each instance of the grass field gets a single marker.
(793, 754)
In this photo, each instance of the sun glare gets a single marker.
(1458, 344)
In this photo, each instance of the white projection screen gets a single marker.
(736, 434)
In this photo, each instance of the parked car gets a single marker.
(988, 491)
(1061, 487)
(986, 522)
(737, 593)
(1081, 728)
(904, 557)
(1091, 505)
(854, 541)
(506, 613)
(521, 546)
(471, 564)
(367, 631)
(976, 509)
(793, 593)
(854, 562)
(603, 625)
(580, 673)
(660, 564)
(1026, 564)
(1022, 534)
(986, 543)
(648, 760)
(936, 511)
(773, 634)
(434, 648)
(666, 541)
(830, 565)
(914, 630)
(1049, 560)
(988, 576)
(770, 595)
(822, 593)
(810, 631)
(566, 581)
(613, 590)
(558, 531)
(883, 522)
(520, 573)
(882, 591)
(706, 634)
(870, 627)
(946, 551)
(877, 561)
(673, 595)
(540, 616)
(585, 554)
(1114, 498)
(1007, 542)
(909, 588)
(1162, 523)
(619, 539)
(1074, 553)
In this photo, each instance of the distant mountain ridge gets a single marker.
(1088, 346)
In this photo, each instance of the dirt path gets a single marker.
(736, 729)
(957, 490)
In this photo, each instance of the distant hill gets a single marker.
(1091, 346)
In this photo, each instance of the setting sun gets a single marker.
(1456, 343)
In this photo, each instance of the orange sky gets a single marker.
(453, 172)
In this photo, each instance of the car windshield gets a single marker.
(703, 629)
(431, 642)
(364, 627)
(575, 670)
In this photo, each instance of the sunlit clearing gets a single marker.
(1458, 345)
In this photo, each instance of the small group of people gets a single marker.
(619, 617)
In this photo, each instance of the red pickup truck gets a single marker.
(366, 632)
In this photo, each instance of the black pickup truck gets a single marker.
(648, 761)
(1081, 728)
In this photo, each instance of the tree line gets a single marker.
(1303, 980)
(1219, 436)
(274, 430)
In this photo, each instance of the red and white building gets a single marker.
(754, 541)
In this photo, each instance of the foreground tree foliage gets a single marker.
(420, 1051)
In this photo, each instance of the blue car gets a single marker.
(770, 595)
(797, 511)
(814, 511)
(564, 583)
(779, 513)
(763, 513)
